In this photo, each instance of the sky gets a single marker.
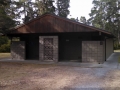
(80, 8)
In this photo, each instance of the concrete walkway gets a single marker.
(112, 62)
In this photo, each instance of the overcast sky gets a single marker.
(80, 8)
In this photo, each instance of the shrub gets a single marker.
(116, 45)
(4, 44)
(5, 48)
(3, 40)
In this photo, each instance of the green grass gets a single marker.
(5, 55)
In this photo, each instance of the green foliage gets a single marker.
(6, 21)
(73, 19)
(4, 44)
(45, 6)
(105, 14)
(29, 9)
(48, 6)
(4, 2)
(5, 48)
(116, 44)
(3, 40)
(83, 20)
(62, 8)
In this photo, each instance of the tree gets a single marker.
(106, 15)
(6, 21)
(22, 9)
(45, 6)
(28, 10)
(62, 8)
(83, 20)
(97, 14)
(73, 19)
(4, 2)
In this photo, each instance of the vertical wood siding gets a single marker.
(49, 24)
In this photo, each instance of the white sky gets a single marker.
(80, 8)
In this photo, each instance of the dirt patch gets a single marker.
(25, 76)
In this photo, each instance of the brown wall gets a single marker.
(50, 24)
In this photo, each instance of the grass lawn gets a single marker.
(5, 55)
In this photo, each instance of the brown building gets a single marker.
(53, 38)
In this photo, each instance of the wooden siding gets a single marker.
(50, 24)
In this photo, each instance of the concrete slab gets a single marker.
(112, 61)
(79, 64)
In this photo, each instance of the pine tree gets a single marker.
(106, 15)
(63, 8)
(45, 6)
(83, 20)
(6, 21)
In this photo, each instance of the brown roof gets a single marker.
(53, 20)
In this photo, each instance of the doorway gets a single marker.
(70, 49)
(32, 48)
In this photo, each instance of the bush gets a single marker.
(4, 44)
(116, 45)
(5, 48)
(3, 40)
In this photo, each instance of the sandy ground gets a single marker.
(19, 76)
